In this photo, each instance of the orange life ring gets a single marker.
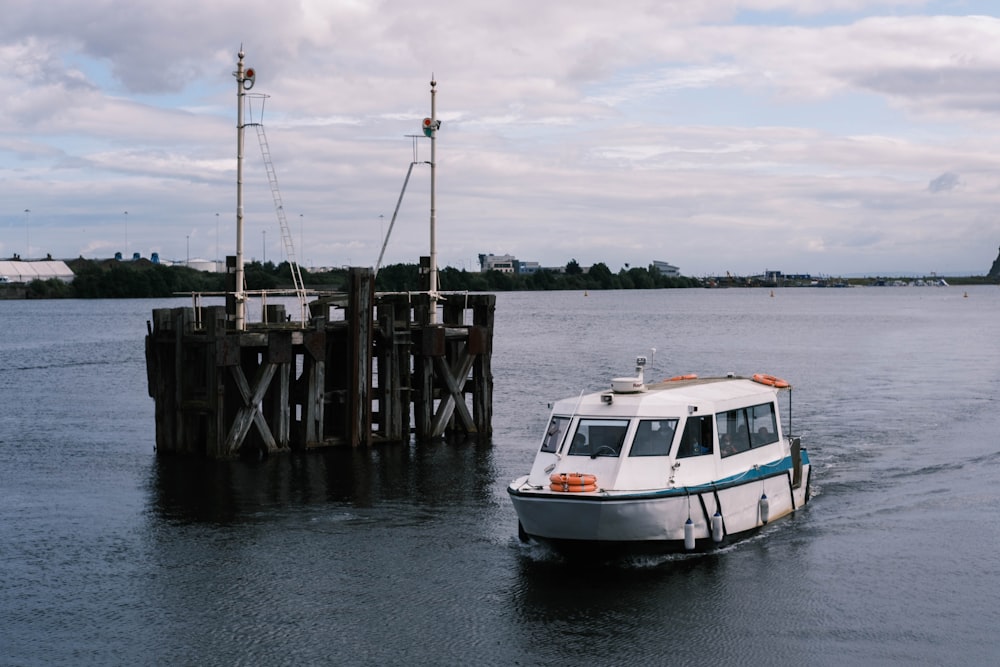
(689, 376)
(572, 478)
(573, 488)
(771, 381)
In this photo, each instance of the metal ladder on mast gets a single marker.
(286, 235)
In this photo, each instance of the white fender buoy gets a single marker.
(689, 534)
(764, 508)
(717, 527)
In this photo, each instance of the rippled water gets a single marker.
(409, 555)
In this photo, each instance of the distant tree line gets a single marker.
(139, 279)
(114, 279)
(403, 277)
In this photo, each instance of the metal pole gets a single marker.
(240, 317)
(27, 233)
(434, 270)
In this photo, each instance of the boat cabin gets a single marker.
(676, 433)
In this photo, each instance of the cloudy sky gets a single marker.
(810, 136)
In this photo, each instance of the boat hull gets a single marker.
(656, 520)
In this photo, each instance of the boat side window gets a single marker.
(741, 429)
(653, 437)
(554, 434)
(763, 424)
(598, 437)
(734, 435)
(697, 438)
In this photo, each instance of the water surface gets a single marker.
(409, 554)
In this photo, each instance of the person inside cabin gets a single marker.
(696, 446)
(726, 444)
(579, 445)
(742, 439)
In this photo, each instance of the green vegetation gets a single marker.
(136, 280)
(599, 277)
(406, 277)
(113, 279)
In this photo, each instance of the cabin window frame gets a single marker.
(555, 434)
(756, 433)
(638, 448)
(698, 430)
(605, 428)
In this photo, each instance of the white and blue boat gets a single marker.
(686, 464)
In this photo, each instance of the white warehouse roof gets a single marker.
(17, 271)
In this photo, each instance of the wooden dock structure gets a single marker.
(384, 372)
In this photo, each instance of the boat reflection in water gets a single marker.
(686, 464)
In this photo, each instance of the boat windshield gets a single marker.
(653, 437)
(599, 437)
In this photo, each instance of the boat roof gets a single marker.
(672, 398)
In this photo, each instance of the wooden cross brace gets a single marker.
(454, 379)
(251, 413)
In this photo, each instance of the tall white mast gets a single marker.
(244, 82)
(434, 268)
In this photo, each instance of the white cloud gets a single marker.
(725, 135)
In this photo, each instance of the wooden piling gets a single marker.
(382, 373)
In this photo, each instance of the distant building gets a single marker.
(501, 263)
(18, 271)
(207, 265)
(666, 269)
(779, 277)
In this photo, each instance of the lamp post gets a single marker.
(187, 262)
(27, 233)
(302, 248)
(263, 247)
(216, 242)
(126, 236)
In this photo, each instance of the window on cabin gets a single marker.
(763, 424)
(745, 428)
(598, 437)
(554, 434)
(697, 438)
(653, 437)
